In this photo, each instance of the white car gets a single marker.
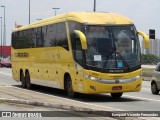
(155, 81)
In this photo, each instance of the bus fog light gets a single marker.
(138, 85)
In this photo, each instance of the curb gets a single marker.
(45, 104)
(90, 112)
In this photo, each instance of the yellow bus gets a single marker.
(80, 52)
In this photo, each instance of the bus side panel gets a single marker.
(79, 79)
(64, 64)
(38, 62)
(15, 66)
(15, 72)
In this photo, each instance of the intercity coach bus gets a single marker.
(80, 52)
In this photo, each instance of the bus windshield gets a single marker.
(112, 48)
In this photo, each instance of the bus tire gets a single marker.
(28, 82)
(69, 88)
(116, 95)
(22, 79)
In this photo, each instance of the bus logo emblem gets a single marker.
(117, 81)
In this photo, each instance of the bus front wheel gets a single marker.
(28, 82)
(116, 95)
(69, 88)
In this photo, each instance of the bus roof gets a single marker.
(106, 18)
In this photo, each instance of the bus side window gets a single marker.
(14, 39)
(61, 36)
(50, 35)
(78, 50)
(39, 38)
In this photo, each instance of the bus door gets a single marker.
(79, 64)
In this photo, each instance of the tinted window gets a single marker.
(23, 39)
(73, 26)
(78, 51)
(45, 36)
(13, 40)
(61, 36)
(39, 38)
(28, 40)
(75, 41)
(50, 35)
(32, 35)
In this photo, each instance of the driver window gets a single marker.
(78, 50)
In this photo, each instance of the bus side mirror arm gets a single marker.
(82, 39)
(146, 39)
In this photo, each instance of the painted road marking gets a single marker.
(145, 89)
(5, 74)
(147, 99)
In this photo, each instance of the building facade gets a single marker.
(154, 47)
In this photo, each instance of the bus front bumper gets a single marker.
(112, 86)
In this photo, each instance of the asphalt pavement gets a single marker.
(14, 95)
(18, 95)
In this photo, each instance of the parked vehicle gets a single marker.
(5, 63)
(155, 81)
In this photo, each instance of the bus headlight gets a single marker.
(86, 76)
(91, 77)
(137, 77)
(113, 81)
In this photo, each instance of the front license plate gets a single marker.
(117, 88)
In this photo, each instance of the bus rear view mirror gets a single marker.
(145, 38)
(82, 39)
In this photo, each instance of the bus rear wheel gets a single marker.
(116, 95)
(22, 79)
(28, 82)
(69, 88)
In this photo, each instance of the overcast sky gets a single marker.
(144, 13)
